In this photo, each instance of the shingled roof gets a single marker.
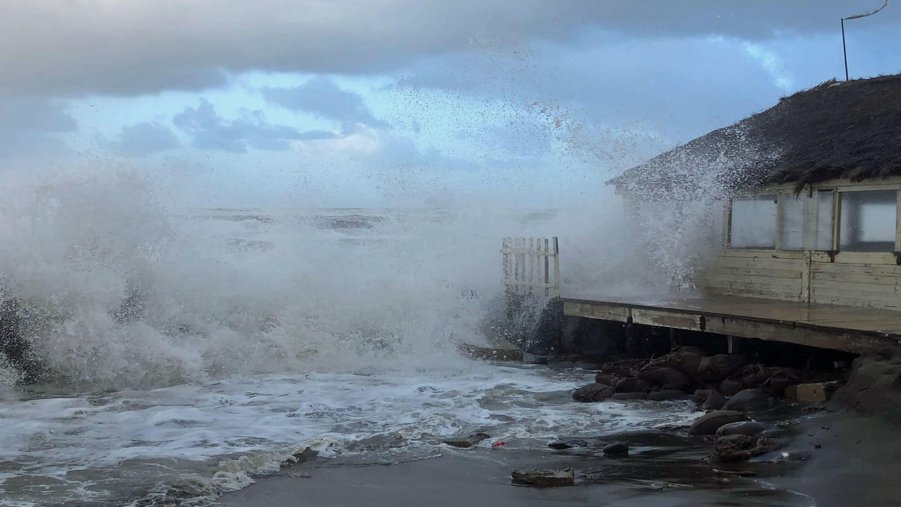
(838, 129)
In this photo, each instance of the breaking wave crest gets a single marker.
(105, 283)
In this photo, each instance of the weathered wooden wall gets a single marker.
(756, 273)
(857, 279)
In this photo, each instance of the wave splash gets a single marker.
(103, 283)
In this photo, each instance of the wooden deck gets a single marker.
(847, 328)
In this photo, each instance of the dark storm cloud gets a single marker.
(209, 131)
(146, 139)
(65, 47)
(323, 98)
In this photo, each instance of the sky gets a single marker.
(403, 103)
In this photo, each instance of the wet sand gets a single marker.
(663, 470)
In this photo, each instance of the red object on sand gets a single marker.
(499, 443)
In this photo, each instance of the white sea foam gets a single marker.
(210, 345)
(224, 432)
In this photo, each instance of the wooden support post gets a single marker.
(730, 344)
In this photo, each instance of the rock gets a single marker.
(729, 387)
(667, 394)
(467, 441)
(544, 478)
(607, 379)
(630, 396)
(750, 375)
(749, 428)
(633, 385)
(716, 368)
(491, 354)
(618, 449)
(713, 401)
(620, 368)
(666, 377)
(779, 378)
(683, 359)
(874, 387)
(567, 444)
(749, 400)
(811, 393)
(307, 454)
(592, 392)
(708, 423)
(731, 448)
(734, 447)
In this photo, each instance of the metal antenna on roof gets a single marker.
(844, 46)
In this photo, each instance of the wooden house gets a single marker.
(812, 223)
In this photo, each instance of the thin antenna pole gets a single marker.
(844, 49)
(856, 16)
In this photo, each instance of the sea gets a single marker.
(174, 354)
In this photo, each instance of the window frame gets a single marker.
(810, 214)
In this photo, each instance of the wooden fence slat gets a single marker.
(531, 266)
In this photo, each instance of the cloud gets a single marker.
(145, 139)
(31, 126)
(323, 98)
(63, 47)
(209, 131)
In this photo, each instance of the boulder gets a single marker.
(716, 368)
(592, 392)
(730, 386)
(467, 441)
(686, 361)
(667, 394)
(780, 378)
(666, 377)
(568, 444)
(544, 478)
(708, 423)
(607, 379)
(713, 400)
(750, 375)
(749, 428)
(811, 393)
(749, 400)
(616, 450)
(731, 448)
(633, 385)
(630, 396)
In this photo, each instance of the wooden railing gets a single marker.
(532, 266)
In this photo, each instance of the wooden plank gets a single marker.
(836, 298)
(805, 278)
(785, 274)
(666, 318)
(856, 278)
(859, 269)
(599, 310)
(788, 332)
(873, 258)
(852, 288)
(758, 264)
(757, 252)
(757, 294)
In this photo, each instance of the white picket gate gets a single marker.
(532, 266)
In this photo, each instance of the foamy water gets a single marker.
(181, 351)
(137, 446)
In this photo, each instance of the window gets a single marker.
(753, 222)
(825, 204)
(868, 221)
(791, 219)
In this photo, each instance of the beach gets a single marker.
(851, 466)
